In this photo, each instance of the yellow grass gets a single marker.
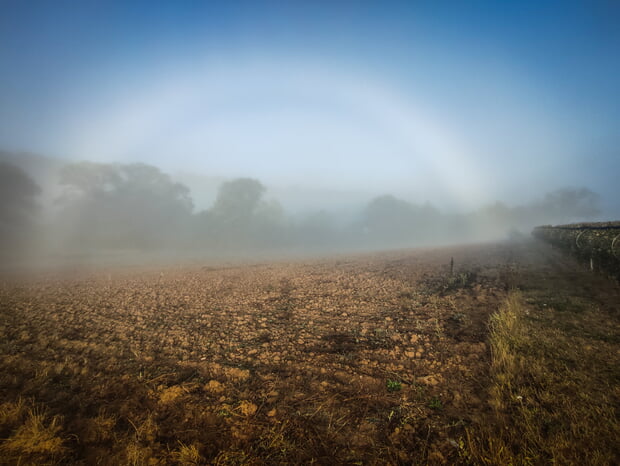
(36, 440)
(552, 393)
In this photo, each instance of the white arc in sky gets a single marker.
(282, 124)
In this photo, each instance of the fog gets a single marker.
(88, 212)
(132, 130)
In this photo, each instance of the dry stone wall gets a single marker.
(596, 244)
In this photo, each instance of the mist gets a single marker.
(89, 212)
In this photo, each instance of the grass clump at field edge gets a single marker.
(33, 437)
(554, 392)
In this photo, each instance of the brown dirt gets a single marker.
(372, 359)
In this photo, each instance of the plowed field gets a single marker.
(369, 359)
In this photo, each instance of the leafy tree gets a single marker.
(229, 222)
(237, 200)
(123, 206)
(241, 219)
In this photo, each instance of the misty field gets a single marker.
(384, 358)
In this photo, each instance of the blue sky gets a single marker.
(457, 103)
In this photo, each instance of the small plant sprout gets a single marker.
(394, 385)
(435, 403)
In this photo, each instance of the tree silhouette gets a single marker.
(232, 220)
(238, 199)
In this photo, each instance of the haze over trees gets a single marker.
(122, 206)
(391, 221)
(137, 207)
(241, 218)
(18, 206)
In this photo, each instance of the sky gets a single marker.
(455, 103)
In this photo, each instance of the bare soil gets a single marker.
(368, 359)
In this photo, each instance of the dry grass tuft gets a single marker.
(99, 429)
(36, 440)
(187, 455)
(138, 455)
(506, 331)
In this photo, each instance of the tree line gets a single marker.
(138, 207)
